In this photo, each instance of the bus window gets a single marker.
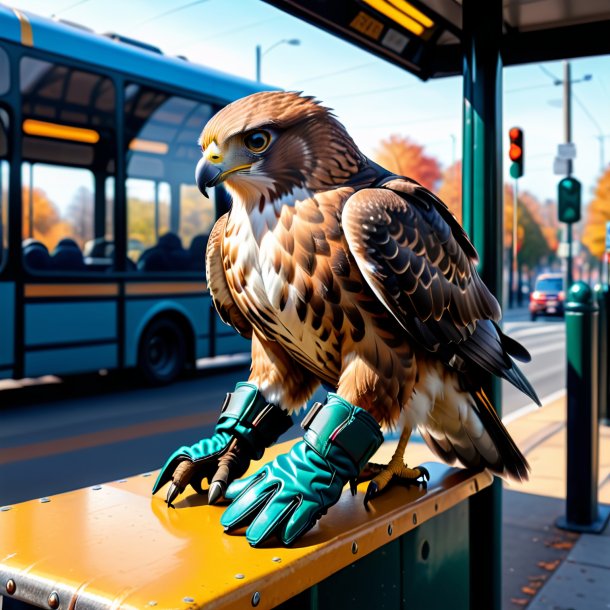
(68, 158)
(5, 73)
(148, 204)
(4, 173)
(168, 221)
(58, 218)
(197, 217)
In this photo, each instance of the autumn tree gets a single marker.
(450, 189)
(80, 215)
(404, 157)
(598, 214)
(534, 242)
(46, 224)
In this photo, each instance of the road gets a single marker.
(60, 436)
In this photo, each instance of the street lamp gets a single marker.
(295, 42)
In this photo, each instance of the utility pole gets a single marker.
(567, 134)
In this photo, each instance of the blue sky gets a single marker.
(373, 98)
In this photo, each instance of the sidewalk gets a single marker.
(545, 568)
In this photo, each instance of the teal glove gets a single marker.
(246, 427)
(287, 496)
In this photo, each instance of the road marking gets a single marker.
(543, 330)
(533, 406)
(553, 347)
(533, 377)
(104, 437)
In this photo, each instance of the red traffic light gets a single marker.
(515, 152)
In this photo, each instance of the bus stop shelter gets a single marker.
(477, 39)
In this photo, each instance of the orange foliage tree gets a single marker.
(405, 157)
(598, 214)
(47, 226)
(537, 233)
(450, 189)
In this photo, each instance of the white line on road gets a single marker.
(539, 330)
(553, 347)
(533, 406)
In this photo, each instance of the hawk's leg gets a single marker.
(396, 468)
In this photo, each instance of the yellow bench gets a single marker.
(115, 546)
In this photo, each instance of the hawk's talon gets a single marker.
(425, 474)
(371, 491)
(172, 493)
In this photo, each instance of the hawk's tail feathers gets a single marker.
(478, 440)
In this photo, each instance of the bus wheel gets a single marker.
(162, 352)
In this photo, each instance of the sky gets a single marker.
(373, 98)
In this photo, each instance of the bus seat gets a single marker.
(176, 257)
(100, 247)
(68, 257)
(197, 250)
(36, 255)
(153, 259)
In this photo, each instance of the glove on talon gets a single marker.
(246, 427)
(287, 496)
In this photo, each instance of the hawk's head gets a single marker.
(268, 144)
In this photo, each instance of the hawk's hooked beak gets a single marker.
(207, 174)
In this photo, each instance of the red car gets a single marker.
(548, 296)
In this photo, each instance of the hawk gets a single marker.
(345, 274)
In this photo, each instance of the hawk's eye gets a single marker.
(257, 141)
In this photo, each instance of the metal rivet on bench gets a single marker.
(96, 488)
(354, 547)
(44, 500)
(256, 598)
(476, 485)
(53, 600)
(5, 508)
(152, 602)
(188, 600)
(414, 519)
(390, 530)
(11, 587)
(240, 576)
(276, 559)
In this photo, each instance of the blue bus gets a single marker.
(103, 231)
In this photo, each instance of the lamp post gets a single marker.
(260, 53)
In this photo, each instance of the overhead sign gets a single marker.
(566, 151)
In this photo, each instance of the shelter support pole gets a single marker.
(482, 214)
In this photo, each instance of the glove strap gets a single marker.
(340, 424)
(247, 415)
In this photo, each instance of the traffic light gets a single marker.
(568, 196)
(515, 152)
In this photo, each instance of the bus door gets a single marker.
(68, 148)
(167, 304)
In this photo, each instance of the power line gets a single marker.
(343, 71)
(168, 12)
(587, 113)
(371, 92)
(69, 7)
(193, 42)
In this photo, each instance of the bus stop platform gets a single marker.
(115, 546)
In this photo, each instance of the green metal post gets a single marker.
(482, 214)
(583, 514)
(602, 296)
